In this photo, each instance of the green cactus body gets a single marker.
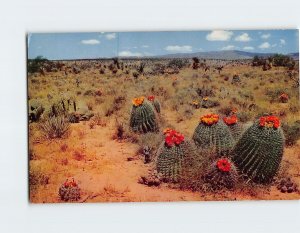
(156, 105)
(170, 160)
(221, 174)
(236, 131)
(258, 153)
(216, 138)
(143, 118)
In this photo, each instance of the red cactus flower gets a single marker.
(224, 165)
(231, 120)
(151, 98)
(69, 183)
(269, 121)
(173, 137)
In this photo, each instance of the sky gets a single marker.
(55, 46)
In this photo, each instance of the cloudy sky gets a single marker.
(111, 44)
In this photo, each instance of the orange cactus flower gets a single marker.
(70, 183)
(138, 101)
(269, 121)
(209, 119)
(231, 120)
(205, 98)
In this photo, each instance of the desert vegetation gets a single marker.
(119, 130)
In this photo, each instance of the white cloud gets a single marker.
(110, 36)
(282, 41)
(178, 48)
(265, 36)
(248, 48)
(145, 46)
(90, 42)
(219, 35)
(243, 37)
(229, 47)
(264, 45)
(128, 53)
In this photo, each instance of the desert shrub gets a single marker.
(123, 132)
(37, 177)
(244, 116)
(177, 63)
(282, 60)
(291, 132)
(55, 127)
(35, 65)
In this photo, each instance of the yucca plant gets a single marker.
(55, 127)
(143, 118)
(213, 135)
(259, 151)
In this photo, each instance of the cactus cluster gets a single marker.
(171, 155)
(143, 118)
(212, 134)
(221, 174)
(259, 151)
(64, 106)
(69, 191)
(154, 102)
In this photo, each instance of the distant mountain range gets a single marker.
(224, 55)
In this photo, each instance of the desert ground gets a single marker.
(106, 158)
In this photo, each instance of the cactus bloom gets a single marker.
(269, 121)
(138, 101)
(209, 119)
(151, 98)
(231, 120)
(173, 137)
(224, 165)
(70, 183)
(205, 98)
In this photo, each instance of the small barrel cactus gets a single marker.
(143, 118)
(212, 134)
(235, 127)
(154, 102)
(171, 154)
(69, 191)
(259, 151)
(222, 174)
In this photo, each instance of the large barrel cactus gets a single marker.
(154, 102)
(143, 118)
(221, 174)
(235, 127)
(259, 151)
(212, 134)
(171, 155)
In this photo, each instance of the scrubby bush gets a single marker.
(291, 132)
(35, 65)
(55, 127)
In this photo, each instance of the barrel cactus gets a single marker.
(143, 118)
(221, 174)
(259, 151)
(69, 191)
(154, 102)
(234, 126)
(212, 134)
(171, 155)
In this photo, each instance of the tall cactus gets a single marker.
(143, 118)
(154, 102)
(235, 127)
(171, 155)
(259, 151)
(212, 134)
